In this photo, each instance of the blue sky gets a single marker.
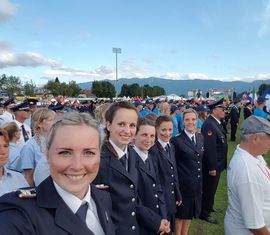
(176, 39)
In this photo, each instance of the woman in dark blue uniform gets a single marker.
(64, 203)
(188, 155)
(149, 188)
(163, 155)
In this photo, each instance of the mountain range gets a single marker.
(181, 87)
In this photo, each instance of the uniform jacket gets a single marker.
(150, 195)
(247, 112)
(189, 163)
(123, 188)
(167, 172)
(47, 213)
(215, 145)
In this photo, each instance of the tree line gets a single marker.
(13, 86)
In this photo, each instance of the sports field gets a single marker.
(199, 227)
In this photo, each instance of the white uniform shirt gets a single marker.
(74, 204)
(248, 193)
(27, 129)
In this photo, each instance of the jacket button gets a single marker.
(198, 155)
(133, 199)
(156, 195)
(198, 162)
(199, 169)
(154, 185)
(133, 213)
(171, 167)
(199, 176)
(172, 183)
(157, 206)
(172, 175)
(172, 192)
(133, 227)
(131, 186)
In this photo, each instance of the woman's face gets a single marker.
(4, 150)
(145, 137)
(190, 122)
(123, 127)
(164, 131)
(74, 158)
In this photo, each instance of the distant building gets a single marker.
(220, 93)
(195, 93)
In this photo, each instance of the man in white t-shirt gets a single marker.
(248, 177)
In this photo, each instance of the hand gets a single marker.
(213, 173)
(164, 227)
(178, 203)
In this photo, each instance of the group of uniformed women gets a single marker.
(135, 178)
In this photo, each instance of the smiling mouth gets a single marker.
(75, 177)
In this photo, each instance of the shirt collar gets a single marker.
(189, 134)
(71, 200)
(119, 151)
(163, 144)
(142, 155)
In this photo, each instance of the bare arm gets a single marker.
(260, 231)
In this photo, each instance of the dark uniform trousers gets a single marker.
(234, 120)
(215, 158)
(123, 188)
(151, 196)
(47, 213)
(168, 176)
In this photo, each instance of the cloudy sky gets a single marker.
(177, 39)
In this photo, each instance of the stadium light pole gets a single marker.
(116, 51)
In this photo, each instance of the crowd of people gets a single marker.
(141, 167)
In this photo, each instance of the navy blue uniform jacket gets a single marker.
(150, 195)
(123, 188)
(167, 172)
(215, 145)
(189, 164)
(48, 214)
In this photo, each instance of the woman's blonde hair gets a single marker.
(73, 119)
(38, 117)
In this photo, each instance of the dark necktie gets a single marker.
(167, 149)
(123, 160)
(82, 211)
(193, 140)
(25, 136)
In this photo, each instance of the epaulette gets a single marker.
(26, 193)
(102, 186)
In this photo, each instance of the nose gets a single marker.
(76, 162)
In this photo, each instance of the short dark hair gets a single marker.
(145, 122)
(161, 119)
(110, 113)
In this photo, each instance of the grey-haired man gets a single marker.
(248, 177)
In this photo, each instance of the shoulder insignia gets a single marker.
(102, 186)
(209, 133)
(26, 193)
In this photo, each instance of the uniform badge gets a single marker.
(26, 193)
(102, 186)
(209, 133)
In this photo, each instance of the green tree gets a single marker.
(29, 88)
(103, 89)
(57, 80)
(75, 88)
(10, 85)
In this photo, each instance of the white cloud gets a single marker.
(7, 10)
(25, 59)
(264, 21)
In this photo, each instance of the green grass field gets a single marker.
(199, 227)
